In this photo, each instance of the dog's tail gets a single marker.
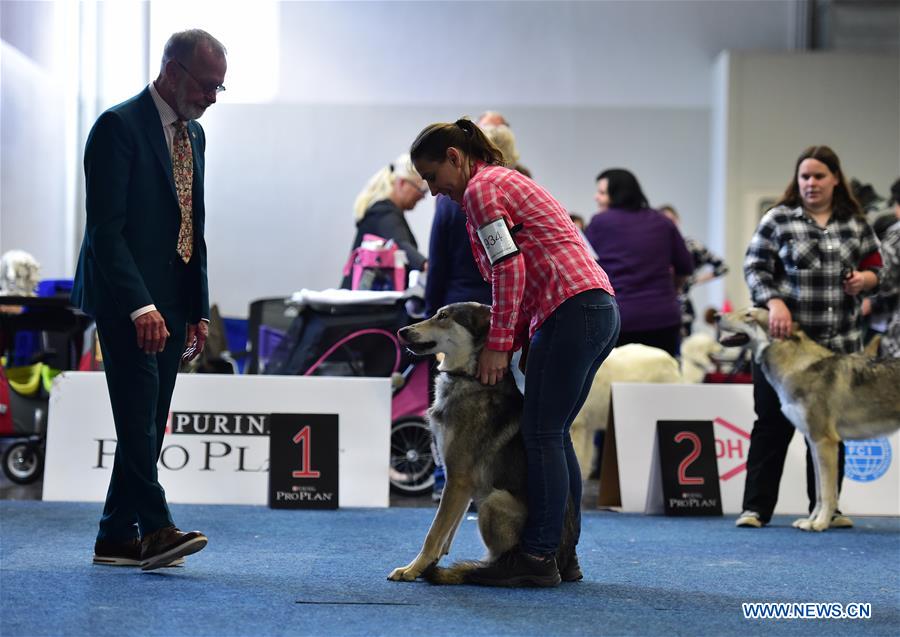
(454, 574)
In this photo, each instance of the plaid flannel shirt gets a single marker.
(552, 264)
(888, 298)
(790, 257)
(702, 256)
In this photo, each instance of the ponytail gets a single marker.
(434, 140)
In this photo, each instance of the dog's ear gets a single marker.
(871, 350)
(477, 321)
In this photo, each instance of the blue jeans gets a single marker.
(562, 359)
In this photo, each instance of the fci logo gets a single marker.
(732, 445)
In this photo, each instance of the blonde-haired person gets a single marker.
(502, 137)
(548, 293)
(499, 132)
(380, 209)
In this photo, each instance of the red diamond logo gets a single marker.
(731, 448)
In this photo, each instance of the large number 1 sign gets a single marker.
(303, 475)
(304, 437)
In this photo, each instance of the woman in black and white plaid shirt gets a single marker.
(810, 258)
(702, 258)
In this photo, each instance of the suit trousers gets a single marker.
(769, 440)
(140, 392)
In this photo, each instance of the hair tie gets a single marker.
(463, 124)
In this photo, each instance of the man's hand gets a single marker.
(151, 332)
(780, 319)
(492, 365)
(196, 340)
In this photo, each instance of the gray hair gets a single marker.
(182, 45)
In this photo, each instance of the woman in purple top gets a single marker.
(646, 260)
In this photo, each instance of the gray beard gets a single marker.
(186, 110)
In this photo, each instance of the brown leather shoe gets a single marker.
(168, 544)
(122, 554)
(117, 553)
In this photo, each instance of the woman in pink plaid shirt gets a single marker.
(549, 294)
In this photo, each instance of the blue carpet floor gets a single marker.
(269, 572)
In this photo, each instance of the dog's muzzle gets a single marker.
(729, 339)
(408, 338)
(733, 340)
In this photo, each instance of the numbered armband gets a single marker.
(498, 240)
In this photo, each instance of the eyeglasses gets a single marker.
(423, 189)
(206, 88)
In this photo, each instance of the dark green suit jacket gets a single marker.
(128, 257)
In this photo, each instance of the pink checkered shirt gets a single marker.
(553, 263)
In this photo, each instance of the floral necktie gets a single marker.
(183, 171)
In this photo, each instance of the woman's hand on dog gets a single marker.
(492, 366)
(780, 319)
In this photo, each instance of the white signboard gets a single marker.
(871, 487)
(216, 451)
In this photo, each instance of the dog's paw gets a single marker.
(820, 524)
(810, 524)
(403, 574)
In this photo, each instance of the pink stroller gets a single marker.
(359, 339)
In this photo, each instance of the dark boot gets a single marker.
(515, 568)
(572, 571)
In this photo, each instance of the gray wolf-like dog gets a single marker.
(484, 454)
(829, 397)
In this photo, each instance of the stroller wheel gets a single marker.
(412, 458)
(22, 463)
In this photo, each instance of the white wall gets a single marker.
(586, 85)
(771, 107)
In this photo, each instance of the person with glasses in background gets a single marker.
(380, 207)
(142, 276)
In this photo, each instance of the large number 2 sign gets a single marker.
(693, 455)
(304, 436)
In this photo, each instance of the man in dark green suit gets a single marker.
(142, 276)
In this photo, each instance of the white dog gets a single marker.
(634, 363)
(19, 273)
(697, 356)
